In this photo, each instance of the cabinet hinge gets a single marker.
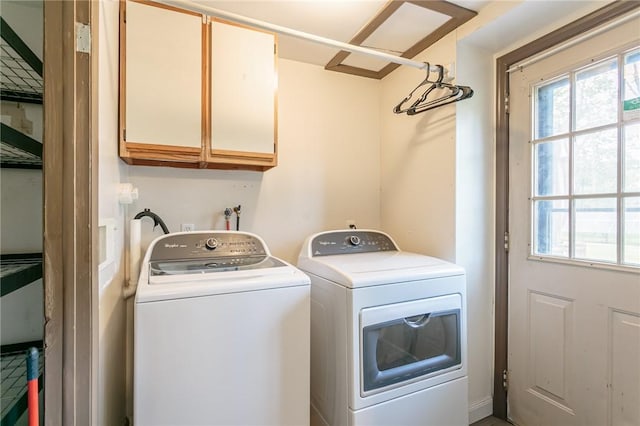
(275, 49)
(506, 104)
(506, 241)
(505, 379)
(83, 38)
(124, 134)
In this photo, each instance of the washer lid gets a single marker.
(211, 265)
(369, 269)
(173, 287)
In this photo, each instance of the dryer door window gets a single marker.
(407, 341)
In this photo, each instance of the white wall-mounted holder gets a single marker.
(127, 193)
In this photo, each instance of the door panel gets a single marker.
(624, 398)
(574, 301)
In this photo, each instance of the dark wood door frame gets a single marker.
(70, 216)
(582, 25)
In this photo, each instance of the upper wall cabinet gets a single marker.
(243, 95)
(195, 91)
(161, 74)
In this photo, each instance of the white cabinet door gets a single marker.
(163, 83)
(243, 89)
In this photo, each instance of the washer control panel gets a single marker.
(351, 241)
(202, 245)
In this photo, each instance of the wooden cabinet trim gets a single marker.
(122, 146)
(164, 6)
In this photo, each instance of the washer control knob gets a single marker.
(211, 244)
(354, 240)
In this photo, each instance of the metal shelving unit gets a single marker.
(16, 272)
(19, 270)
(21, 69)
(21, 81)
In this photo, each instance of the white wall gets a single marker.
(474, 215)
(418, 163)
(329, 152)
(112, 171)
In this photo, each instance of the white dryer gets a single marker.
(388, 333)
(221, 334)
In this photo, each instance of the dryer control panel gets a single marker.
(351, 241)
(203, 245)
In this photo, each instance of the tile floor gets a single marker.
(491, 421)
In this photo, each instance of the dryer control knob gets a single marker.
(354, 240)
(211, 244)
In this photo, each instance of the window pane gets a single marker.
(631, 96)
(596, 229)
(632, 158)
(595, 163)
(551, 229)
(631, 236)
(552, 168)
(552, 109)
(597, 95)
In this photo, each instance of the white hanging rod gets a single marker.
(572, 42)
(206, 10)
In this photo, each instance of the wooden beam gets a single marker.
(459, 16)
(70, 225)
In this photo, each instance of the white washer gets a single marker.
(221, 334)
(388, 333)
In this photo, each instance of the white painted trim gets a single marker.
(478, 410)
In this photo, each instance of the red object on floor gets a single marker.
(32, 386)
(33, 402)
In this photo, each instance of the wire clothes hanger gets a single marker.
(427, 101)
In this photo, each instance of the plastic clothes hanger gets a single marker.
(453, 91)
(438, 84)
(398, 108)
(462, 93)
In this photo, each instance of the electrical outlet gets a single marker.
(187, 227)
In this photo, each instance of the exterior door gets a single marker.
(574, 220)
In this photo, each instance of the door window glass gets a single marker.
(631, 99)
(595, 162)
(552, 232)
(552, 161)
(586, 163)
(596, 102)
(552, 112)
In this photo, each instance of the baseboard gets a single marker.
(478, 410)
